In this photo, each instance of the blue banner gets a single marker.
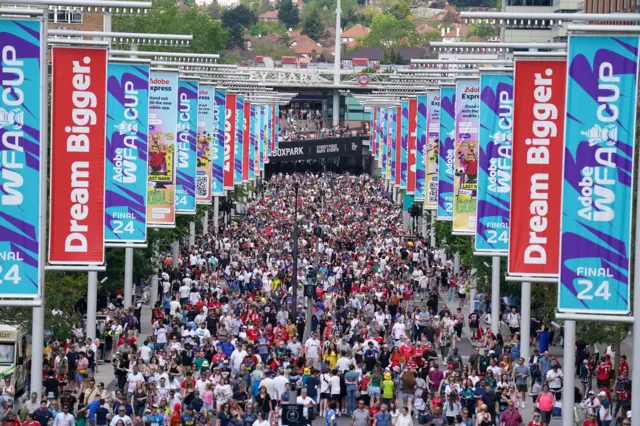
(277, 107)
(597, 189)
(494, 171)
(186, 164)
(431, 156)
(239, 139)
(252, 142)
(394, 145)
(206, 117)
(404, 145)
(22, 148)
(261, 136)
(126, 153)
(217, 147)
(421, 147)
(382, 136)
(268, 130)
(446, 153)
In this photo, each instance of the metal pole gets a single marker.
(336, 55)
(456, 263)
(37, 348)
(92, 304)
(635, 364)
(192, 234)
(205, 223)
(569, 379)
(216, 214)
(175, 254)
(154, 289)
(433, 229)
(335, 120)
(495, 294)
(128, 276)
(473, 292)
(525, 323)
(37, 323)
(294, 285)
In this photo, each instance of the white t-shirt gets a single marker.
(184, 291)
(307, 403)
(399, 330)
(133, 379)
(335, 385)
(556, 381)
(313, 348)
(513, 320)
(343, 364)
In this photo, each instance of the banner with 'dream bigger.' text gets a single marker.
(538, 128)
(597, 191)
(126, 157)
(446, 152)
(246, 142)
(163, 127)
(78, 116)
(411, 150)
(404, 144)
(229, 141)
(433, 146)
(186, 153)
(218, 147)
(421, 147)
(391, 135)
(239, 141)
(253, 165)
(21, 239)
(206, 118)
(494, 173)
(381, 130)
(465, 181)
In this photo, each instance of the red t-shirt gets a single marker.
(603, 370)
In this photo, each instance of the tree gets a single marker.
(366, 15)
(266, 28)
(239, 15)
(165, 18)
(289, 14)
(235, 37)
(313, 26)
(387, 31)
(275, 51)
(485, 31)
(399, 9)
(391, 57)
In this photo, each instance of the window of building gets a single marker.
(65, 16)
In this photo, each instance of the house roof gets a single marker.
(475, 39)
(464, 31)
(424, 29)
(305, 45)
(289, 60)
(356, 31)
(272, 14)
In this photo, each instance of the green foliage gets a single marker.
(289, 14)
(388, 31)
(485, 31)
(239, 15)
(266, 28)
(366, 14)
(165, 18)
(398, 9)
(391, 57)
(275, 51)
(312, 25)
(234, 38)
(350, 11)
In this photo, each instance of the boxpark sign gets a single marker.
(316, 149)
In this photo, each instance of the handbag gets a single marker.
(556, 411)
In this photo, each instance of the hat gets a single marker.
(307, 371)
(155, 406)
(602, 393)
(51, 395)
(591, 392)
(387, 376)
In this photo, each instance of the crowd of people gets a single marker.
(377, 345)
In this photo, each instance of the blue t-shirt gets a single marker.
(330, 418)
(92, 407)
(156, 419)
(382, 419)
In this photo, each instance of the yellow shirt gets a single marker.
(332, 359)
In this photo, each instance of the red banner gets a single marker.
(411, 149)
(398, 143)
(78, 99)
(538, 129)
(229, 141)
(245, 142)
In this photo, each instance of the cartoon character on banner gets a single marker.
(204, 144)
(433, 148)
(467, 171)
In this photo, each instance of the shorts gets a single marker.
(462, 296)
(545, 416)
(336, 397)
(374, 391)
(325, 395)
(423, 419)
(514, 330)
(406, 395)
(522, 388)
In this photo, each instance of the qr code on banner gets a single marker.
(202, 186)
(432, 194)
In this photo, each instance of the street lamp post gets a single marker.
(294, 311)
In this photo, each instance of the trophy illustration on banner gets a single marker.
(600, 135)
(502, 138)
(12, 119)
(129, 127)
